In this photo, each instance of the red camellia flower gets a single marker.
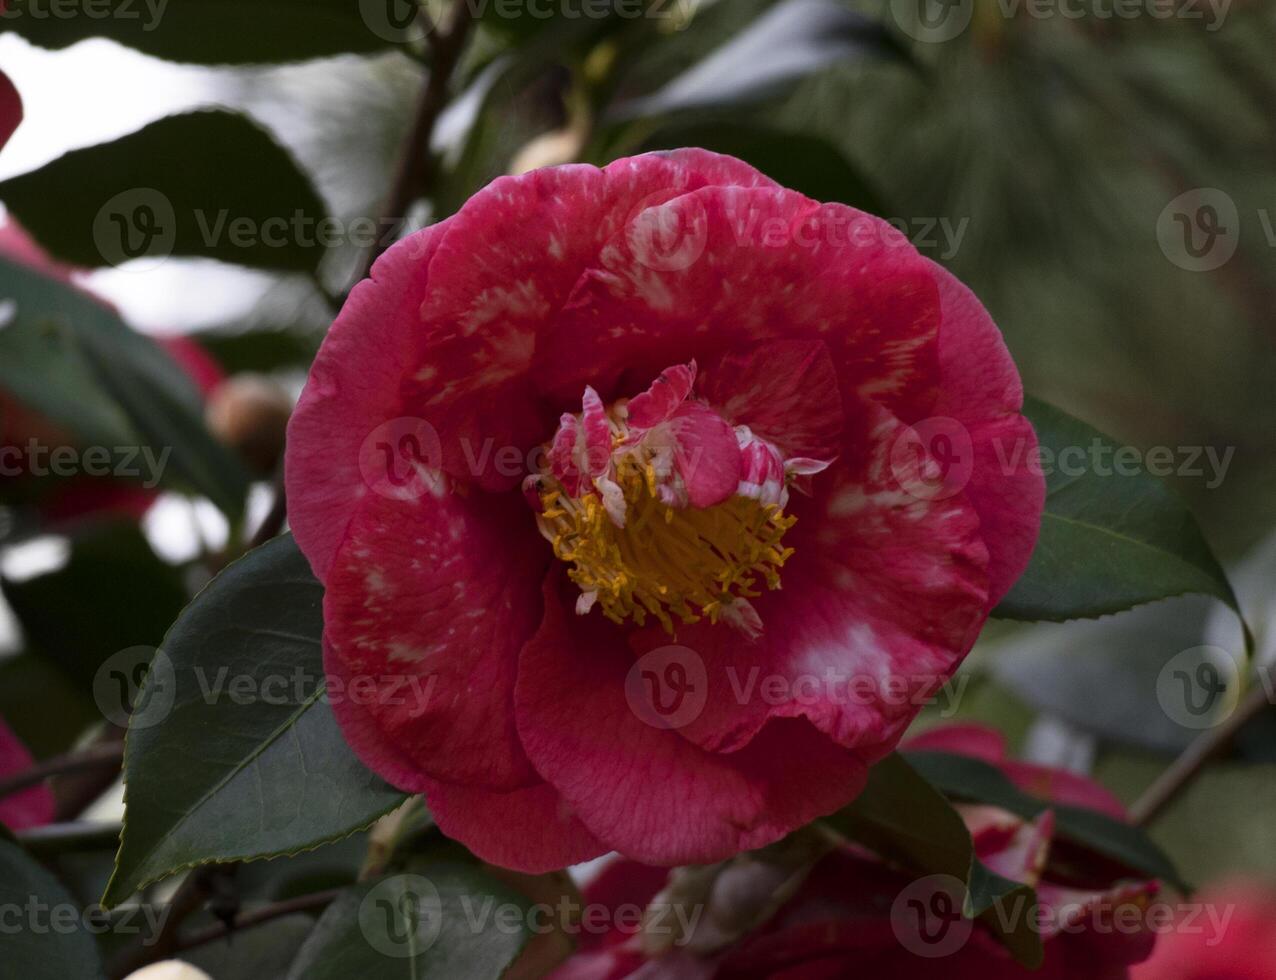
(856, 916)
(579, 462)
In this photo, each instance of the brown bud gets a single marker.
(249, 413)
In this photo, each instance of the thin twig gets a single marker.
(194, 891)
(74, 836)
(1205, 747)
(76, 792)
(276, 910)
(103, 754)
(174, 943)
(416, 168)
(273, 522)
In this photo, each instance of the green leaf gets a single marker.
(978, 781)
(235, 754)
(905, 819)
(789, 42)
(71, 358)
(441, 919)
(40, 949)
(799, 161)
(1108, 542)
(221, 31)
(206, 184)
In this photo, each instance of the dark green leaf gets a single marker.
(222, 31)
(789, 42)
(905, 819)
(40, 949)
(1108, 542)
(235, 754)
(978, 781)
(207, 184)
(439, 919)
(72, 359)
(799, 161)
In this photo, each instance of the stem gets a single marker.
(416, 168)
(276, 910)
(174, 943)
(77, 791)
(74, 836)
(1183, 770)
(273, 522)
(105, 754)
(194, 891)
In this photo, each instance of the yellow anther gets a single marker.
(666, 561)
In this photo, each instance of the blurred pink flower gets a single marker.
(1243, 947)
(29, 807)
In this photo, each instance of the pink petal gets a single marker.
(646, 791)
(1065, 787)
(706, 454)
(663, 398)
(530, 829)
(581, 448)
(880, 602)
(1022, 856)
(969, 739)
(354, 387)
(981, 390)
(1045, 782)
(785, 391)
(762, 264)
(445, 329)
(31, 807)
(427, 605)
(503, 271)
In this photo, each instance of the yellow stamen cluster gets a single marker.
(666, 560)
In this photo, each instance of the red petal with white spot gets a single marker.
(981, 389)
(428, 603)
(768, 264)
(880, 602)
(646, 791)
